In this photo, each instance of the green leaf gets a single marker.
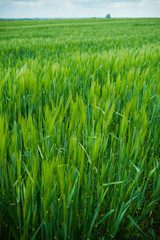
(35, 234)
(105, 216)
(133, 221)
(113, 183)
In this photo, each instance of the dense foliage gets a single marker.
(80, 129)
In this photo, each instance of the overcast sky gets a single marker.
(78, 8)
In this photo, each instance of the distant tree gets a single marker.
(108, 15)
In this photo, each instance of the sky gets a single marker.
(78, 8)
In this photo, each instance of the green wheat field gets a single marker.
(80, 129)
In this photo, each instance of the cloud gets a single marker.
(79, 8)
